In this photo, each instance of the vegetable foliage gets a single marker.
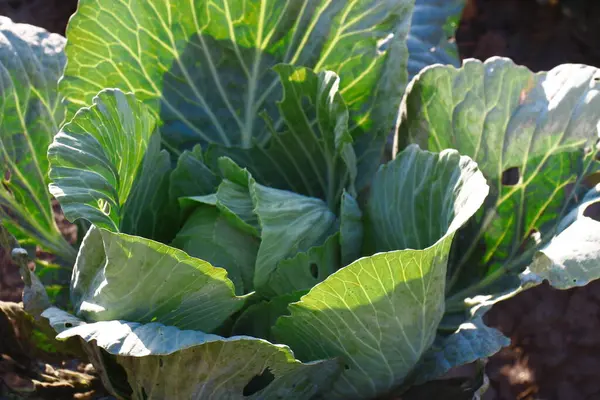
(245, 241)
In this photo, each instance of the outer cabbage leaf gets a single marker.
(165, 362)
(118, 276)
(97, 165)
(572, 258)
(205, 67)
(530, 135)
(380, 313)
(31, 60)
(430, 39)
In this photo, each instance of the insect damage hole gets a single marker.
(314, 270)
(511, 176)
(593, 211)
(258, 383)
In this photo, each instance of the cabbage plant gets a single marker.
(246, 239)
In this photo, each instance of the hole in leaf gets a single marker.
(314, 270)
(511, 176)
(258, 383)
(593, 211)
(116, 374)
(68, 325)
(592, 180)
(346, 367)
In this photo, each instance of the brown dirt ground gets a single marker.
(555, 351)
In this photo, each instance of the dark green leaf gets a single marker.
(277, 211)
(207, 234)
(351, 229)
(306, 269)
(310, 149)
(192, 177)
(258, 319)
(431, 36)
(150, 211)
(205, 69)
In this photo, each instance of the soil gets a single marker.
(52, 15)
(555, 350)
(539, 34)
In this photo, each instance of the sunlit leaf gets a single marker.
(531, 135)
(380, 313)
